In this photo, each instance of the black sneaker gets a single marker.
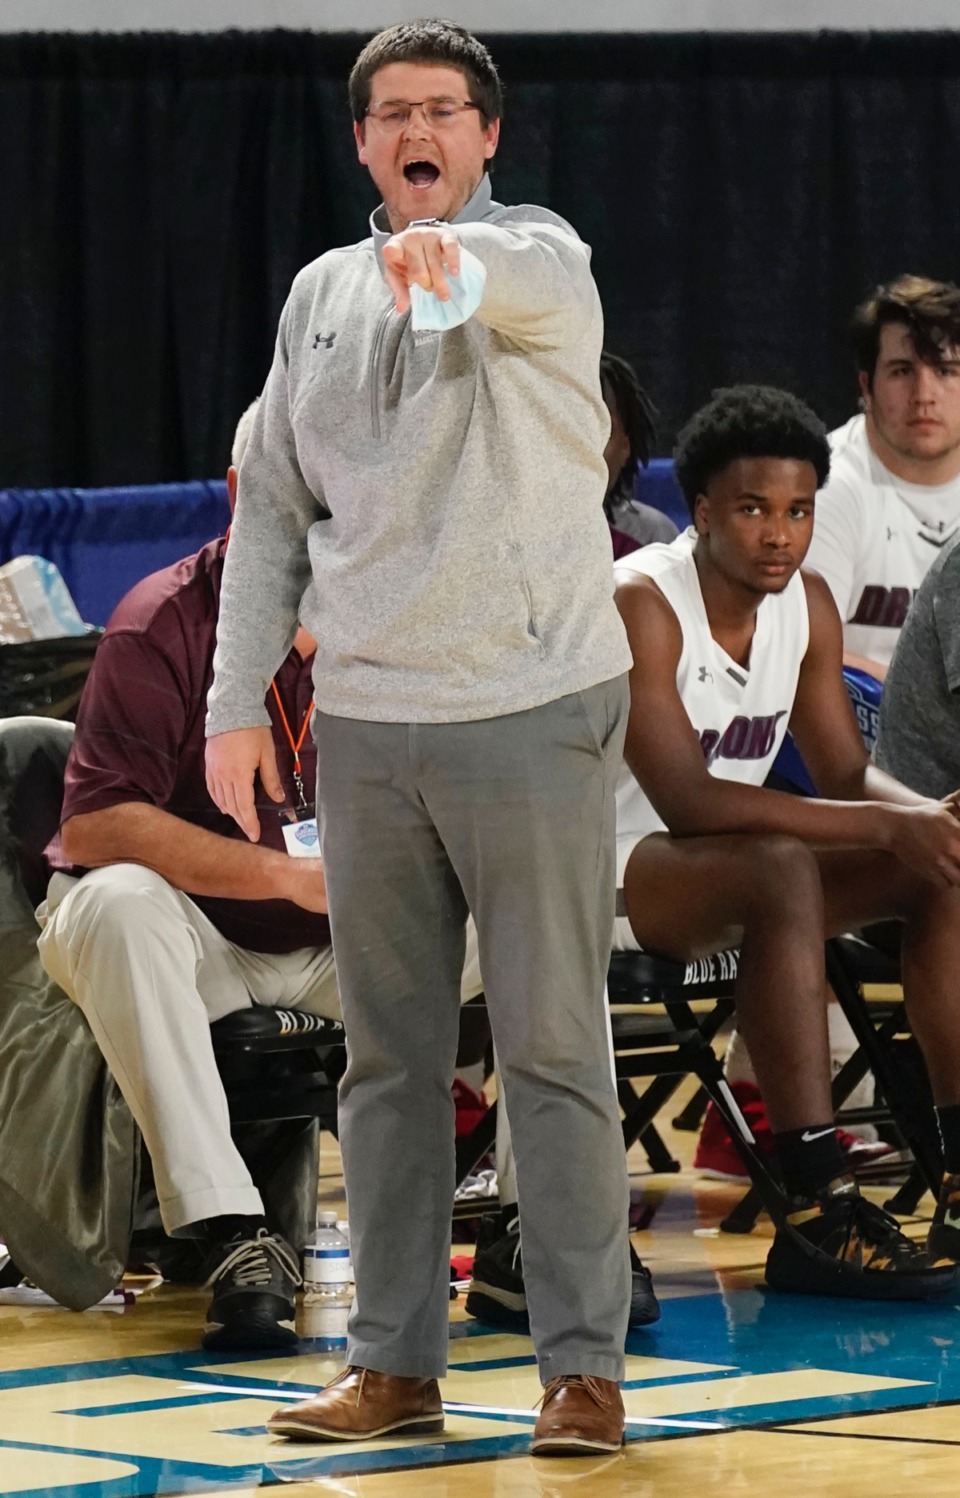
(644, 1306)
(838, 1243)
(943, 1241)
(254, 1281)
(496, 1294)
(497, 1297)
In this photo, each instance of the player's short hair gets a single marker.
(747, 421)
(242, 434)
(433, 41)
(638, 414)
(930, 309)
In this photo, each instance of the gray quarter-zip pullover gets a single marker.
(430, 503)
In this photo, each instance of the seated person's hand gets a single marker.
(952, 803)
(927, 839)
(232, 762)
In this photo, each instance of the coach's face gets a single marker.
(426, 162)
(756, 520)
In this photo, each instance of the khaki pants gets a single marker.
(151, 973)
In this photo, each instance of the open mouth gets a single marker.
(421, 174)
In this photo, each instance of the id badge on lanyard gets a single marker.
(299, 823)
(300, 836)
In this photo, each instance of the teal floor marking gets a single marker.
(743, 1333)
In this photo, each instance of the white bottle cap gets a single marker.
(326, 1219)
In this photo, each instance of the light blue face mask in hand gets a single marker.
(428, 313)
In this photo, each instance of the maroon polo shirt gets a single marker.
(140, 734)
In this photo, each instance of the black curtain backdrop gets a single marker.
(159, 192)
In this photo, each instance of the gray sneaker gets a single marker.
(254, 1281)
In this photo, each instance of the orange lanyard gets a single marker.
(295, 746)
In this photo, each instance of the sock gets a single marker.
(230, 1225)
(949, 1120)
(809, 1158)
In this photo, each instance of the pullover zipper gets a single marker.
(375, 373)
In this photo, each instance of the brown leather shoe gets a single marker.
(361, 1405)
(580, 1413)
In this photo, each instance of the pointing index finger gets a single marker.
(450, 250)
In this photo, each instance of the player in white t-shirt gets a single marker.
(731, 642)
(893, 498)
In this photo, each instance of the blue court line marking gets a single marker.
(748, 1328)
(152, 1475)
(171, 1476)
(656, 1381)
(489, 1365)
(492, 1365)
(150, 1364)
(147, 1406)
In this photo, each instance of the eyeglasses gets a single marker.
(394, 115)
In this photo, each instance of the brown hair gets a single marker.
(439, 42)
(930, 310)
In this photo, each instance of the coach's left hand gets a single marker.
(421, 256)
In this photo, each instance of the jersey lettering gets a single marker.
(883, 607)
(743, 738)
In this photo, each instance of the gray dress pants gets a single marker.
(511, 818)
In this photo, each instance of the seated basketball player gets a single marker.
(732, 643)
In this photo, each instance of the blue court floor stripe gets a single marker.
(151, 1475)
(490, 1365)
(156, 1364)
(172, 1402)
(655, 1380)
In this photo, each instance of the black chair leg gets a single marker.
(659, 1158)
(689, 1119)
(913, 1115)
(905, 1202)
(743, 1217)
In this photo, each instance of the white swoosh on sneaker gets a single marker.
(808, 1138)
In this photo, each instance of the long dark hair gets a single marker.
(639, 417)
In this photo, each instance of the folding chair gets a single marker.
(866, 981)
(255, 1049)
(665, 1016)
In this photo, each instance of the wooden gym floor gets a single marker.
(737, 1391)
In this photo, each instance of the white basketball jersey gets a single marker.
(740, 714)
(875, 537)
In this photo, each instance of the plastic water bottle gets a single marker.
(323, 1323)
(327, 1272)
